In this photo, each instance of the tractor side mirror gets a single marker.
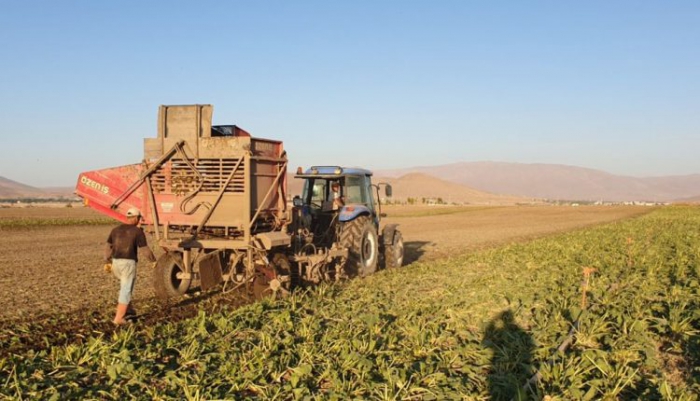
(297, 202)
(387, 190)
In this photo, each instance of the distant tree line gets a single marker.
(415, 201)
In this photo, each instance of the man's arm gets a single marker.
(338, 200)
(108, 252)
(148, 253)
(142, 244)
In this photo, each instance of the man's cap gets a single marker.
(133, 212)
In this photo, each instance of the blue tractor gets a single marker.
(336, 225)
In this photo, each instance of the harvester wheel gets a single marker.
(393, 253)
(360, 238)
(165, 281)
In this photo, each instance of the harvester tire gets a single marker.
(166, 284)
(393, 253)
(360, 238)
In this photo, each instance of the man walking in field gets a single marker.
(122, 250)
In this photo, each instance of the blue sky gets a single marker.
(613, 86)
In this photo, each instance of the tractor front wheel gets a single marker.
(360, 237)
(165, 280)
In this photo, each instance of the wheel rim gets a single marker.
(174, 270)
(368, 249)
(166, 282)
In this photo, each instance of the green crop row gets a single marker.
(476, 326)
(53, 222)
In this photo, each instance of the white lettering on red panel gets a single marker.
(94, 185)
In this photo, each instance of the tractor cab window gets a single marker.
(318, 192)
(370, 193)
(355, 190)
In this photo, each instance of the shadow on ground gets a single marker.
(511, 364)
(413, 250)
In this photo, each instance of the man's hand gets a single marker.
(148, 253)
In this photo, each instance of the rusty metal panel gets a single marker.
(210, 272)
(188, 123)
(274, 238)
(268, 159)
(99, 189)
(152, 148)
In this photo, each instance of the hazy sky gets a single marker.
(609, 85)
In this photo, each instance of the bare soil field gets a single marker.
(54, 273)
(443, 231)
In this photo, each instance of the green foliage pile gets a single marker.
(471, 327)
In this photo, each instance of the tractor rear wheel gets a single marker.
(393, 253)
(165, 281)
(360, 238)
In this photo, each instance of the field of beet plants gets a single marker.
(611, 312)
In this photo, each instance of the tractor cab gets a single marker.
(345, 192)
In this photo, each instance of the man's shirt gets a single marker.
(125, 240)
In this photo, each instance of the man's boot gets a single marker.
(121, 312)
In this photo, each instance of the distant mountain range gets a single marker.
(419, 185)
(488, 183)
(431, 189)
(559, 182)
(12, 189)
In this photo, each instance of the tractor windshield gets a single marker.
(354, 190)
(358, 190)
(318, 192)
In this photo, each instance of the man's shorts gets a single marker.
(125, 271)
